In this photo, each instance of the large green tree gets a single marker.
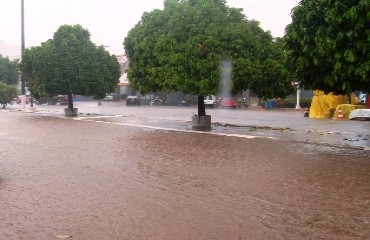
(70, 63)
(183, 46)
(328, 43)
(9, 70)
(271, 77)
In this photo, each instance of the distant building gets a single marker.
(124, 85)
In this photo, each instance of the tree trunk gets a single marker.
(31, 100)
(349, 98)
(247, 97)
(201, 107)
(70, 101)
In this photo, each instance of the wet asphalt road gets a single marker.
(244, 122)
(103, 178)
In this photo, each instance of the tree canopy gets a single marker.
(70, 63)
(329, 45)
(7, 93)
(8, 70)
(182, 47)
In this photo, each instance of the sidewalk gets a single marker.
(279, 124)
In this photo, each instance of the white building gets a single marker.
(124, 85)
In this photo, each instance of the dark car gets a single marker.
(132, 100)
(46, 101)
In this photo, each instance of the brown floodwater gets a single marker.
(88, 180)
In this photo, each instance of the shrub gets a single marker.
(7, 93)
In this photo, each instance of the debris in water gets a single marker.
(350, 139)
(64, 237)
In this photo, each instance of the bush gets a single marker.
(7, 93)
(291, 103)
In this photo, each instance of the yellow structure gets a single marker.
(346, 110)
(327, 105)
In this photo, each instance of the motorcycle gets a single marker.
(158, 101)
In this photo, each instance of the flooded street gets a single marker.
(92, 180)
(281, 124)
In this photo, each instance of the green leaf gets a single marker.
(349, 55)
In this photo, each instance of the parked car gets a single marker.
(158, 101)
(108, 98)
(229, 102)
(132, 100)
(210, 101)
(47, 101)
(19, 100)
(183, 103)
(62, 100)
(360, 114)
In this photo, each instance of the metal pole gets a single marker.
(22, 45)
(23, 85)
(298, 106)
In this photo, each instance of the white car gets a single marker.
(360, 114)
(108, 98)
(210, 101)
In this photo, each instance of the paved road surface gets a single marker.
(279, 124)
(100, 180)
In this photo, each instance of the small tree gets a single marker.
(70, 64)
(7, 93)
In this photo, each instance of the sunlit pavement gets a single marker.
(275, 124)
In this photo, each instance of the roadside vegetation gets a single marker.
(328, 45)
(183, 48)
(8, 80)
(69, 64)
(7, 93)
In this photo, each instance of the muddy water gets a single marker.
(89, 180)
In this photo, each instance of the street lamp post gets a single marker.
(298, 106)
(296, 84)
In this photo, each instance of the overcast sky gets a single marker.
(109, 20)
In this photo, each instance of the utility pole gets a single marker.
(23, 84)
